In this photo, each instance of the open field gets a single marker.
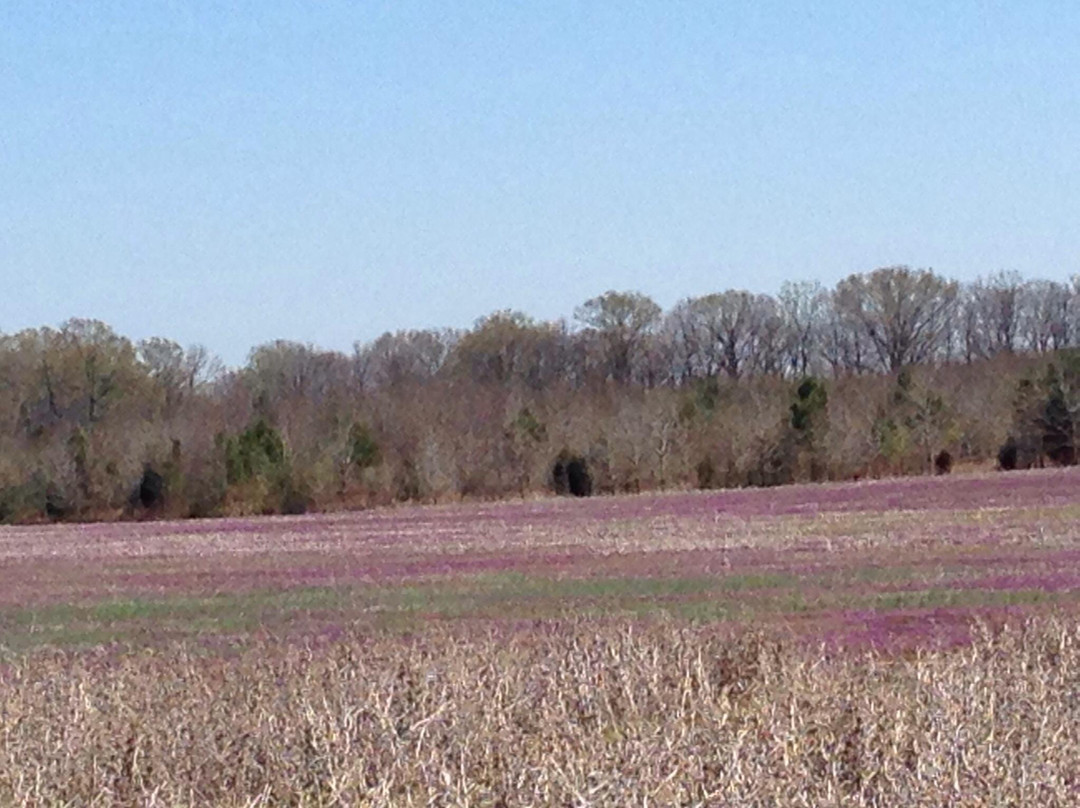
(875, 561)
(905, 642)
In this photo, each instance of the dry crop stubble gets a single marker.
(567, 714)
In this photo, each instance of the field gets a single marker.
(882, 643)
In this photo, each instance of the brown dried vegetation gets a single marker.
(895, 365)
(572, 714)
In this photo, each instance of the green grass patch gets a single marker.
(491, 595)
(66, 624)
(502, 595)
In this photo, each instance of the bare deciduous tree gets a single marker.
(622, 321)
(904, 313)
(993, 311)
(403, 357)
(1047, 315)
(804, 308)
(732, 332)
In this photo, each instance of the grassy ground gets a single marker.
(806, 601)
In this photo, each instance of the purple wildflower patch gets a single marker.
(800, 553)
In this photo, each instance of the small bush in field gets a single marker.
(1008, 455)
(407, 483)
(706, 474)
(293, 497)
(570, 475)
(1017, 454)
(150, 492)
(943, 462)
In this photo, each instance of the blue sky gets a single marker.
(232, 173)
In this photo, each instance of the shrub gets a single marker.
(407, 482)
(56, 502)
(1008, 455)
(707, 476)
(570, 475)
(293, 497)
(257, 452)
(363, 451)
(150, 492)
(1019, 453)
(808, 410)
(943, 462)
(28, 500)
(774, 464)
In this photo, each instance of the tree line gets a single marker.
(893, 371)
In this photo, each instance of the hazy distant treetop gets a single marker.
(403, 357)
(903, 312)
(508, 346)
(622, 320)
(630, 312)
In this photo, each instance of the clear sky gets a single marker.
(232, 173)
